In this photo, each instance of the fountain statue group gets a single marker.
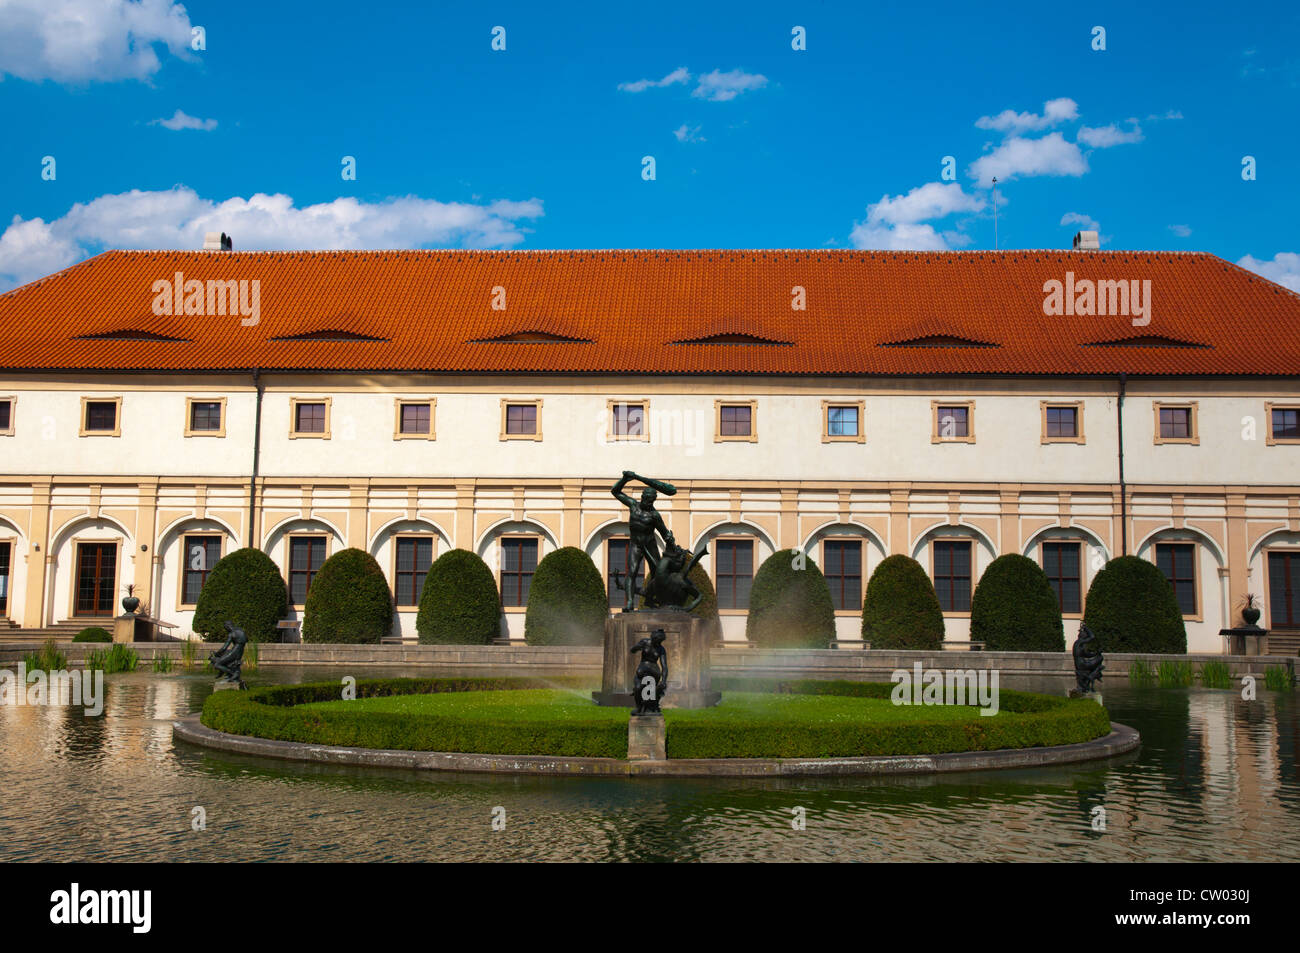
(229, 659)
(669, 585)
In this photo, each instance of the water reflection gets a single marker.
(1215, 779)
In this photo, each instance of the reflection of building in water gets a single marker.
(921, 403)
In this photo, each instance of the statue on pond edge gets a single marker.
(651, 681)
(669, 585)
(229, 659)
(1088, 661)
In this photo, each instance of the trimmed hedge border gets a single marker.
(271, 713)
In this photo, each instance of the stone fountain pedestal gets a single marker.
(686, 641)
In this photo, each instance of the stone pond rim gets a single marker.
(1121, 740)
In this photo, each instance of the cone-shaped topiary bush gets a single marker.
(567, 602)
(460, 604)
(900, 609)
(246, 588)
(1132, 608)
(348, 601)
(708, 607)
(790, 604)
(1015, 609)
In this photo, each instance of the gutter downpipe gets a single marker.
(257, 453)
(1123, 489)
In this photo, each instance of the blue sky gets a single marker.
(756, 145)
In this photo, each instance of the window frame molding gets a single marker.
(501, 567)
(400, 402)
(1270, 623)
(974, 579)
(1269, 439)
(1083, 576)
(643, 436)
(119, 552)
(719, 437)
(506, 403)
(288, 562)
(295, 433)
(411, 534)
(181, 604)
(13, 413)
(753, 542)
(189, 417)
(1199, 615)
(1193, 424)
(828, 437)
(117, 417)
(863, 575)
(934, 421)
(1045, 405)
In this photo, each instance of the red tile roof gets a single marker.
(621, 311)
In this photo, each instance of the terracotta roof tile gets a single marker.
(432, 312)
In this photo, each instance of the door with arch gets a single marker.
(96, 579)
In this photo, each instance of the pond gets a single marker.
(1214, 780)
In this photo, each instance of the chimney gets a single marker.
(1086, 241)
(220, 241)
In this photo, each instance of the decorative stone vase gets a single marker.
(130, 604)
(1251, 615)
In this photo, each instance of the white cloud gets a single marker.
(679, 75)
(1283, 269)
(1107, 136)
(179, 217)
(1169, 114)
(1049, 155)
(1182, 231)
(1086, 222)
(719, 87)
(898, 222)
(1054, 111)
(182, 121)
(77, 41)
(686, 133)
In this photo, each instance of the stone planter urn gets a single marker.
(130, 604)
(1250, 615)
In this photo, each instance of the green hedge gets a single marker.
(348, 601)
(900, 609)
(460, 604)
(93, 633)
(567, 601)
(270, 713)
(789, 607)
(1132, 608)
(246, 588)
(1015, 609)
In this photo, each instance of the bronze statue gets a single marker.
(1088, 661)
(669, 585)
(651, 681)
(229, 659)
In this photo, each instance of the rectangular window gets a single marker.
(1176, 423)
(1062, 423)
(96, 579)
(952, 574)
(953, 421)
(735, 572)
(518, 563)
(619, 557)
(1178, 562)
(414, 557)
(842, 422)
(205, 416)
(627, 421)
(6, 550)
(1284, 589)
(415, 418)
(101, 416)
(736, 421)
(521, 420)
(1062, 563)
(310, 417)
(842, 566)
(1283, 424)
(6, 415)
(201, 554)
(306, 556)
